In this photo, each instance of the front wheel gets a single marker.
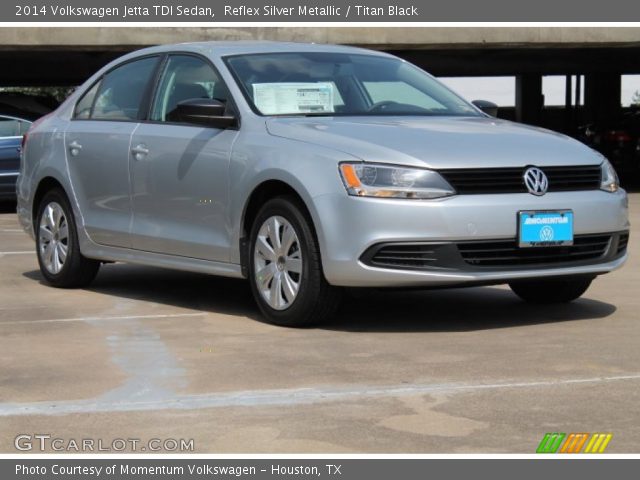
(61, 262)
(551, 290)
(285, 270)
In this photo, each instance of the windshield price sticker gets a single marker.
(285, 98)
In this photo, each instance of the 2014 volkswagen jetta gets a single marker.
(307, 168)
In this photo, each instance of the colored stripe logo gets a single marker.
(574, 442)
(598, 443)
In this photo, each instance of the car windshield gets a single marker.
(333, 84)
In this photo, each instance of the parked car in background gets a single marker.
(17, 112)
(308, 168)
(12, 130)
(618, 140)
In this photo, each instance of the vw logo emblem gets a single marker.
(546, 233)
(536, 181)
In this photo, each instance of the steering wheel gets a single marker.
(381, 106)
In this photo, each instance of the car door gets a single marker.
(11, 132)
(179, 171)
(97, 142)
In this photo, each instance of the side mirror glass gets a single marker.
(487, 107)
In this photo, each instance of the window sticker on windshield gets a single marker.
(283, 98)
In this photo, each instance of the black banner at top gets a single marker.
(350, 11)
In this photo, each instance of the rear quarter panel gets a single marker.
(44, 156)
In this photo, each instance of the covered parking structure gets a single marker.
(593, 59)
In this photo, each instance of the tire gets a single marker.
(288, 286)
(551, 291)
(57, 247)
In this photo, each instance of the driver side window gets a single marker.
(185, 77)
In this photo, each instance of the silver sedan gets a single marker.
(306, 169)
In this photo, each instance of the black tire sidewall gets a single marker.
(72, 248)
(552, 290)
(311, 278)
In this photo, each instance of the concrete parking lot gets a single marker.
(147, 353)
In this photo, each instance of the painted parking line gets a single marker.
(282, 397)
(16, 253)
(11, 230)
(103, 318)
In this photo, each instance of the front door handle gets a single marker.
(140, 151)
(74, 148)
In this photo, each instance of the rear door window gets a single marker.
(121, 92)
(83, 107)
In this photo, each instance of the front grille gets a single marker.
(509, 180)
(404, 256)
(505, 253)
(623, 240)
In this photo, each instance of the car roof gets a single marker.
(227, 48)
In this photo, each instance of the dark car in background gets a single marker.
(618, 140)
(17, 112)
(12, 129)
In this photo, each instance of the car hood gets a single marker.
(436, 142)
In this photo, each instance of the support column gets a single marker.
(568, 107)
(529, 98)
(602, 97)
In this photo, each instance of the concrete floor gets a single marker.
(147, 353)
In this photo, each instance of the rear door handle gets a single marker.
(140, 151)
(74, 148)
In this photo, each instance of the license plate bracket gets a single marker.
(545, 228)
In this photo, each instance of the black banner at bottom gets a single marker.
(343, 469)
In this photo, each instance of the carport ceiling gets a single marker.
(71, 66)
(518, 60)
(52, 67)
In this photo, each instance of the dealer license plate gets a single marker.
(545, 228)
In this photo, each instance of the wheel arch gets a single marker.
(262, 193)
(46, 184)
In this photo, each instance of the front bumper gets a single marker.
(348, 227)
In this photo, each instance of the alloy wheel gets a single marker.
(277, 259)
(53, 238)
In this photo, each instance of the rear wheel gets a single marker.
(551, 291)
(61, 262)
(285, 270)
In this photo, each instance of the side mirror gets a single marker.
(487, 107)
(207, 112)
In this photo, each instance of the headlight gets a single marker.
(370, 180)
(608, 178)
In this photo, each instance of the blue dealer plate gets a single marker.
(545, 229)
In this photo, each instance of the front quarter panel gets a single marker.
(258, 157)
